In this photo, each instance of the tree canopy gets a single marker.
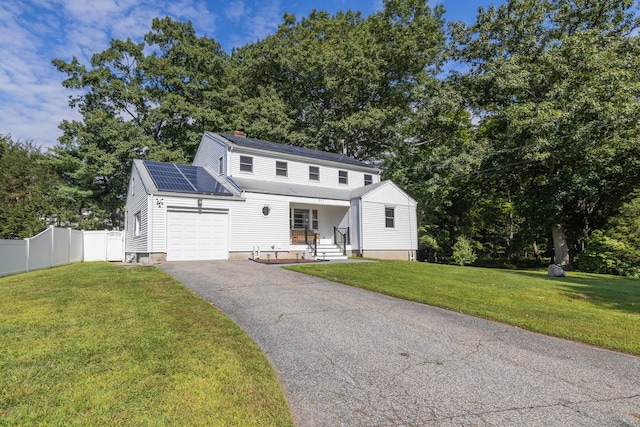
(24, 184)
(531, 145)
(555, 84)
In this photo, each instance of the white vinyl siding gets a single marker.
(251, 228)
(375, 234)
(137, 203)
(299, 172)
(209, 153)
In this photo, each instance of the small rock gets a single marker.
(556, 271)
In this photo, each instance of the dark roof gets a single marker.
(184, 178)
(244, 141)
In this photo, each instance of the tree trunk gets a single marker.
(560, 248)
(536, 253)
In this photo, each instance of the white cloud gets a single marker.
(33, 101)
(236, 11)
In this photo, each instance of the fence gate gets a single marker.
(115, 246)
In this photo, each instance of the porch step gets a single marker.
(330, 252)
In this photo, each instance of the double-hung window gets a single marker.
(343, 177)
(137, 224)
(368, 179)
(281, 168)
(389, 217)
(246, 163)
(314, 173)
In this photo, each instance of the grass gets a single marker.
(98, 344)
(595, 309)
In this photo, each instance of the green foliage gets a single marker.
(428, 248)
(99, 344)
(147, 100)
(344, 82)
(555, 84)
(625, 225)
(596, 309)
(617, 249)
(607, 255)
(463, 252)
(553, 87)
(25, 201)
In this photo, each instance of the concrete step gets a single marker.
(329, 252)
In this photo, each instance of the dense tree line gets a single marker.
(529, 145)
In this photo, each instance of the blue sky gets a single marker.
(33, 32)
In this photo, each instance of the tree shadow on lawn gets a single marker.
(614, 292)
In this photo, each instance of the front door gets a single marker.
(305, 218)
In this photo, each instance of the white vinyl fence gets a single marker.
(59, 246)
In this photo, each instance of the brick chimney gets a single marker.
(239, 133)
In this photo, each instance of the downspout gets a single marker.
(411, 232)
(149, 222)
(360, 231)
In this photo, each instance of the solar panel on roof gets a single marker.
(201, 179)
(183, 178)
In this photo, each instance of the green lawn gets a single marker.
(595, 309)
(99, 344)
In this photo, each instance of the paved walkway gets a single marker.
(349, 357)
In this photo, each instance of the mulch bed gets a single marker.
(287, 260)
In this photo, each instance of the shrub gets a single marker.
(463, 251)
(607, 255)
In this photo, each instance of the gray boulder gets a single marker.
(556, 271)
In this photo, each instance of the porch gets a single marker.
(323, 231)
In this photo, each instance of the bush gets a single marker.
(463, 251)
(428, 249)
(607, 255)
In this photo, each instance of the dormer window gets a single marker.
(343, 177)
(246, 163)
(281, 168)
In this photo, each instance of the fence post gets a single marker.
(28, 254)
(53, 247)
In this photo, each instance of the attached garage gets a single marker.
(197, 235)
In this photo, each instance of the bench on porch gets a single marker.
(298, 236)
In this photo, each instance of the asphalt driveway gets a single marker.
(350, 357)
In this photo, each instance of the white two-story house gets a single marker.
(243, 197)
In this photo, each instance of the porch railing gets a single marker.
(342, 239)
(311, 240)
(306, 236)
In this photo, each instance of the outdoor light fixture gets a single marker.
(159, 202)
(199, 203)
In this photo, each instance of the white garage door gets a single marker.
(196, 236)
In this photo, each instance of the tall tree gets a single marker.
(25, 205)
(136, 104)
(345, 81)
(555, 85)
(436, 161)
